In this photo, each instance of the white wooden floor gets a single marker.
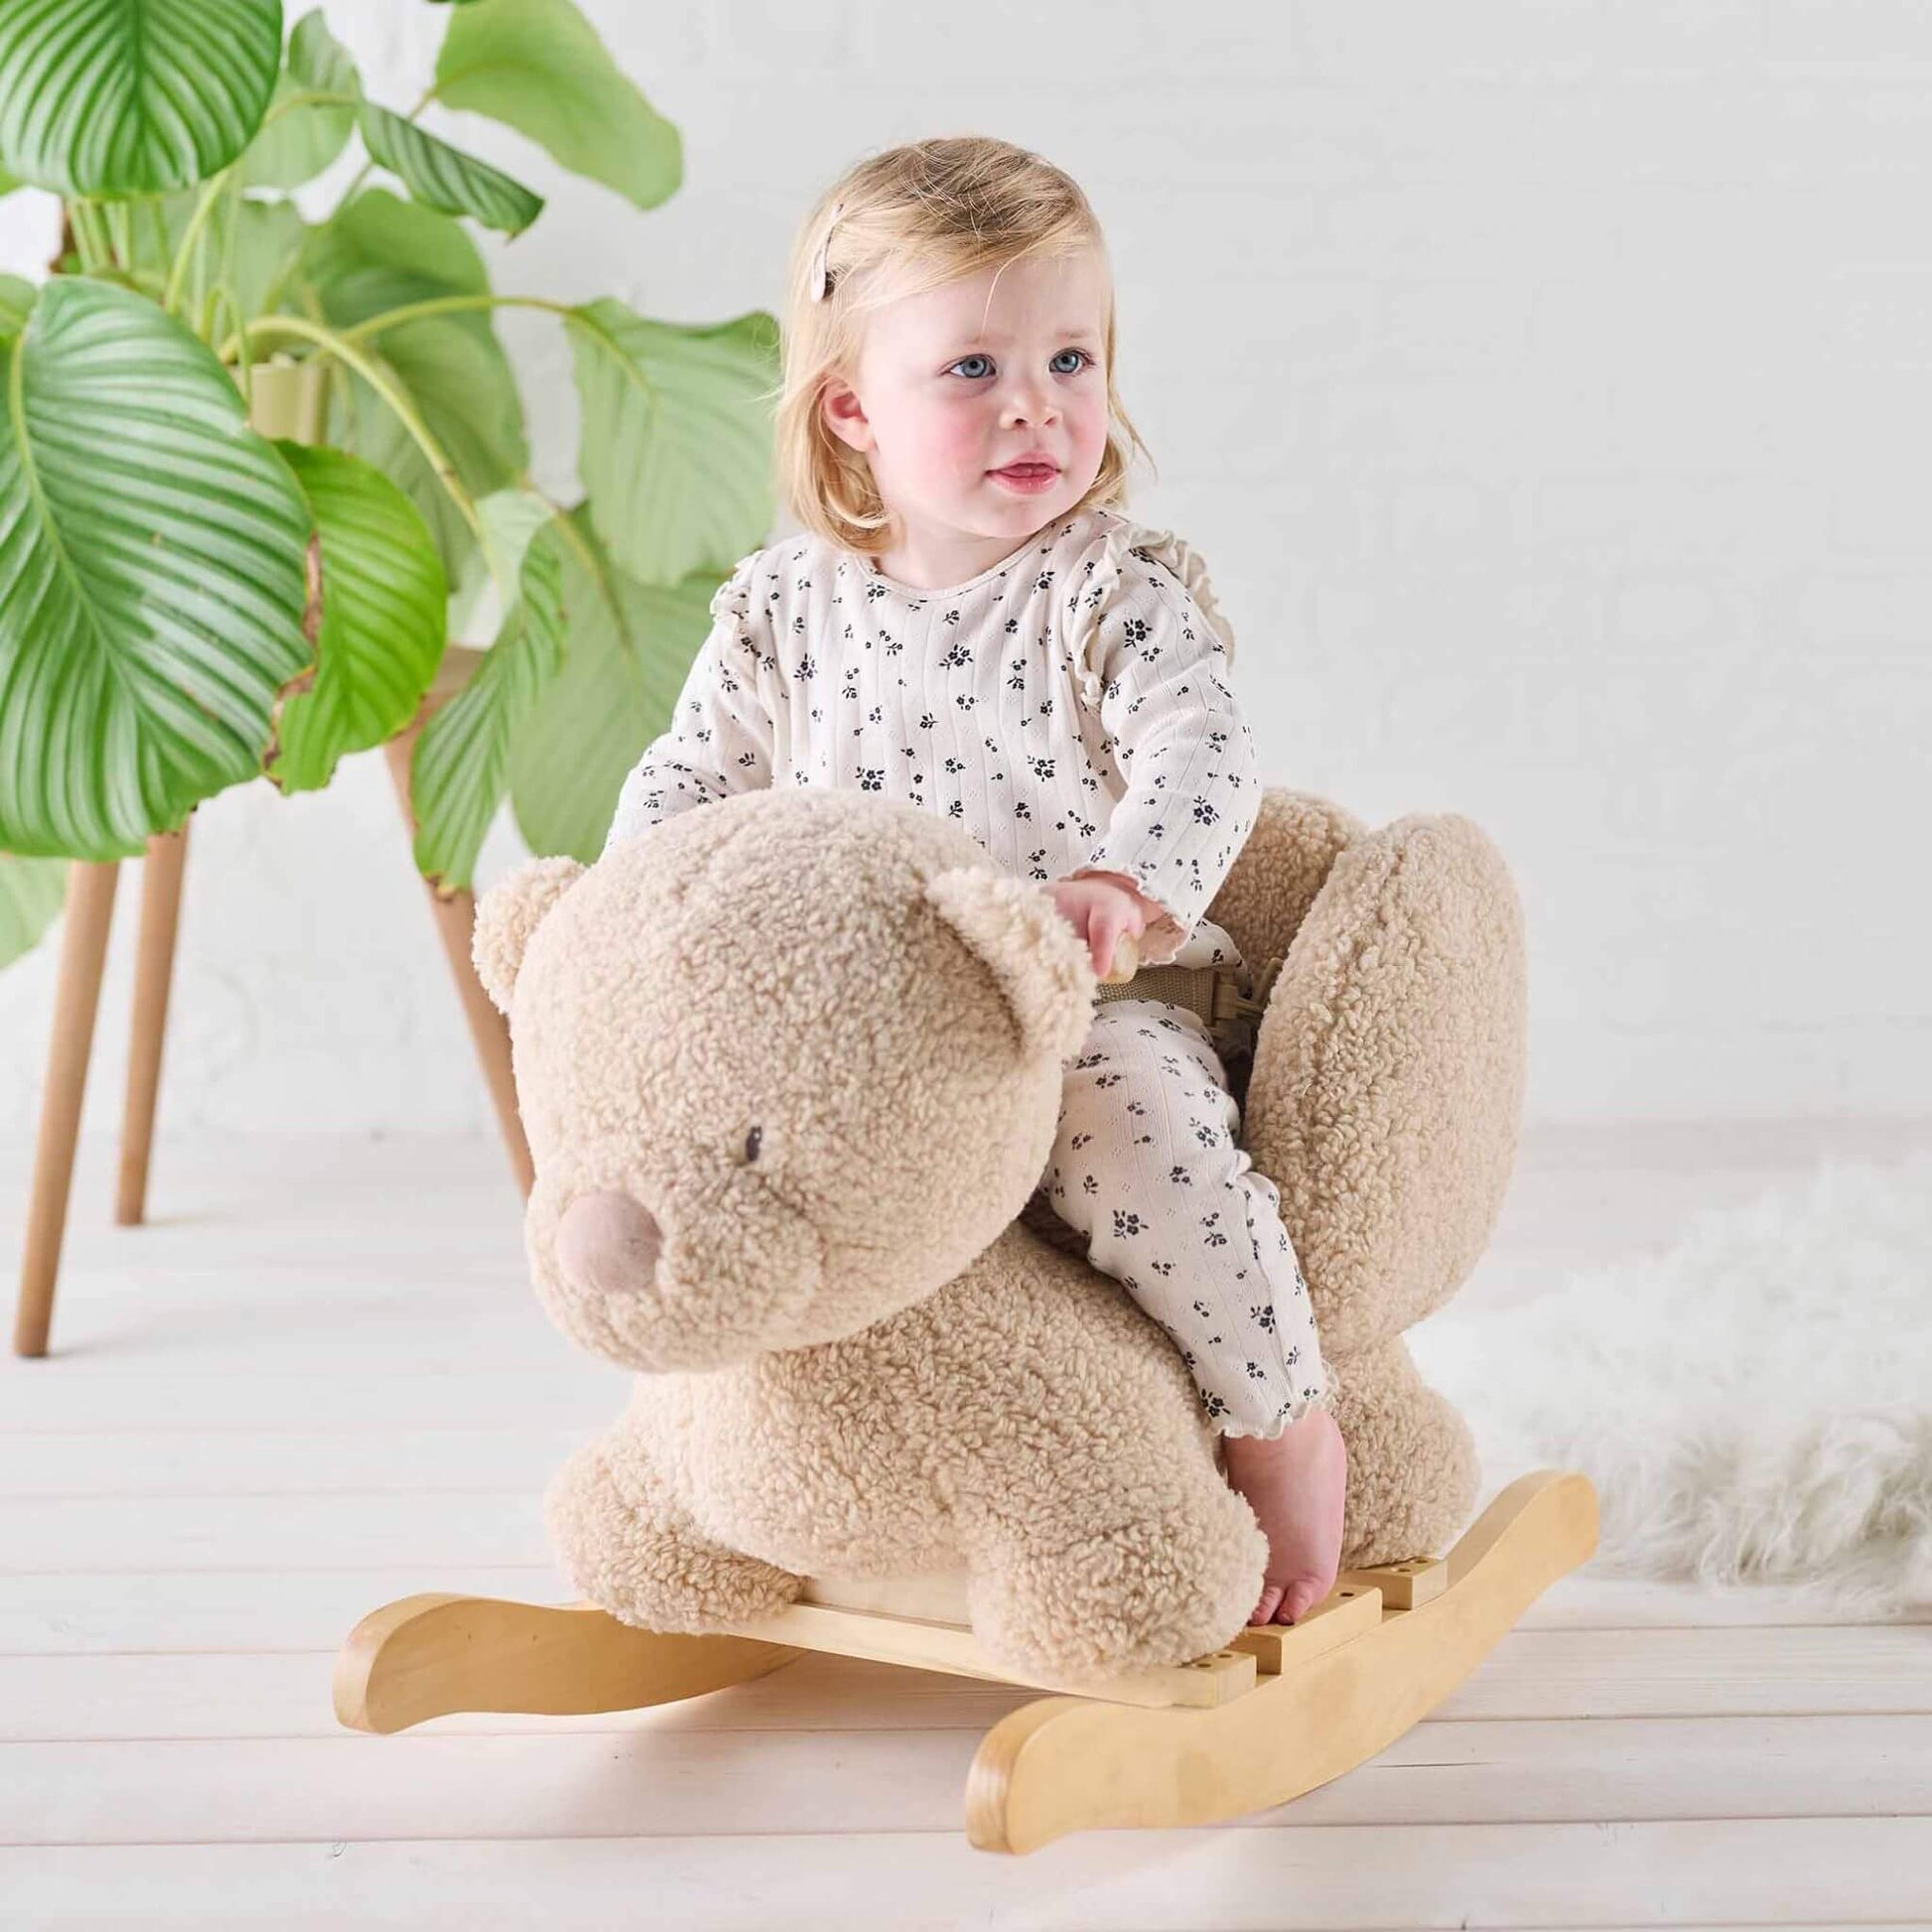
(317, 1381)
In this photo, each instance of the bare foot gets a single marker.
(1295, 1485)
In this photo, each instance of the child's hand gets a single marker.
(1100, 911)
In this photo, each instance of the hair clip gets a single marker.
(820, 278)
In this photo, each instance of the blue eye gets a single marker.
(973, 376)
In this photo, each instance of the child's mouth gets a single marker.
(1029, 477)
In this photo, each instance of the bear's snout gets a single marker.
(608, 1244)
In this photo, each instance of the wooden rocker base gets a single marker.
(1285, 1708)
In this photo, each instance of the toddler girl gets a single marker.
(967, 622)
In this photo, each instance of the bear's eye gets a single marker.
(752, 1142)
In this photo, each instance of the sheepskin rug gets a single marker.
(1755, 1405)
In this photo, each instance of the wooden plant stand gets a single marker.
(83, 951)
(1282, 1710)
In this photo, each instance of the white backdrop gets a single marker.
(1547, 386)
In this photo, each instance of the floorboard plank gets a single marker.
(1841, 1873)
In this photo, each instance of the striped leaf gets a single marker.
(31, 893)
(537, 65)
(461, 769)
(381, 634)
(675, 453)
(152, 584)
(312, 113)
(631, 645)
(445, 178)
(116, 97)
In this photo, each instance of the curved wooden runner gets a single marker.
(1280, 1710)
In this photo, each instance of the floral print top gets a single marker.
(1068, 707)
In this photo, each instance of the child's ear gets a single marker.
(508, 915)
(1040, 964)
(845, 415)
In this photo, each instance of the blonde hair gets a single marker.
(898, 224)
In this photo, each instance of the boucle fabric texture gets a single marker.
(1069, 706)
(790, 1067)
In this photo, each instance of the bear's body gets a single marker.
(950, 1435)
(789, 1067)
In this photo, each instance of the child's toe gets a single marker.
(1296, 1600)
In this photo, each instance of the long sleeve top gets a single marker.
(1068, 707)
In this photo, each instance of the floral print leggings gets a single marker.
(1145, 1166)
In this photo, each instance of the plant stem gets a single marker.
(405, 412)
(89, 238)
(119, 240)
(448, 305)
(309, 97)
(191, 236)
(225, 285)
(159, 221)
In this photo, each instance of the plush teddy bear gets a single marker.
(789, 1067)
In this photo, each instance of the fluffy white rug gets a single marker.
(1753, 1405)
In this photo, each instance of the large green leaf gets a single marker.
(152, 582)
(312, 113)
(538, 67)
(378, 253)
(628, 648)
(31, 891)
(445, 178)
(510, 521)
(268, 236)
(462, 761)
(382, 618)
(118, 97)
(675, 451)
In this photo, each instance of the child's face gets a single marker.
(957, 382)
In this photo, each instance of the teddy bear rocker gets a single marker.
(789, 1067)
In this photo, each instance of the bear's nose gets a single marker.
(608, 1243)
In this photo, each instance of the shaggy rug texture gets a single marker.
(1755, 1405)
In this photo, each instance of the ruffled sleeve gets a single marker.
(720, 735)
(1149, 650)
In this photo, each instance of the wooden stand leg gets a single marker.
(84, 952)
(455, 918)
(154, 966)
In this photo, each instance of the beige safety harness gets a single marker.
(1229, 1000)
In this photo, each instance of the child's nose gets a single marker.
(1028, 404)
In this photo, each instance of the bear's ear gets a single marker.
(508, 915)
(1042, 965)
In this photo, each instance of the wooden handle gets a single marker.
(1127, 959)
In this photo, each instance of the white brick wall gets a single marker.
(1549, 386)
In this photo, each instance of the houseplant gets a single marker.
(186, 604)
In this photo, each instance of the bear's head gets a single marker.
(787, 1064)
